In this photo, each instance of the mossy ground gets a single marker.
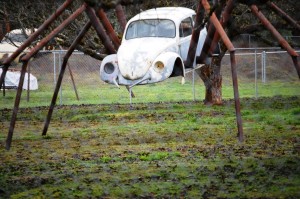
(154, 150)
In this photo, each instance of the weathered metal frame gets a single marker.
(61, 74)
(94, 21)
(282, 42)
(111, 42)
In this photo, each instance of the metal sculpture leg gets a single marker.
(236, 97)
(61, 74)
(16, 107)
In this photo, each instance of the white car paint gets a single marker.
(151, 54)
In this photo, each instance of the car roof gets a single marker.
(174, 13)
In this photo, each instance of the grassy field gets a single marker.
(176, 149)
(170, 90)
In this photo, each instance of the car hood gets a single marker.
(135, 56)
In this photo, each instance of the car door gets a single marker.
(185, 34)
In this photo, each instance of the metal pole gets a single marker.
(195, 37)
(73, 82)
(32, 37)
(262, 67)
(63, 67)
(54, 69)
(28, 82)
(130, 96)
(283, 43)
(57, 30)
(265, 70)
(255, 71)
(121, 17)
(249, 41)
(236, 97)
(60, 89)
(194, 95)
(100, 30)
(109, 29)
(16, 106)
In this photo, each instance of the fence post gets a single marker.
(255, 71)
(54, 69)
(194, 95)
(60, 89)
(263, 67)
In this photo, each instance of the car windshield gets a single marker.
(151, 28)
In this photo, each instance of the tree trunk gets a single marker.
(211, 76)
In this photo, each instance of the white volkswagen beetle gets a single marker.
(154, 47)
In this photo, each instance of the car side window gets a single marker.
(186, 27)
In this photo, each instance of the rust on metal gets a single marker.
(16, 106)
(61, 74)
(57, 30)
(109, 29)
(224, 19)
(31, 38)
(207, 43)
(218, 26)
(296, 64)
(284, 44)
(121, 17)
(236, 97)
(100, 30)
(283, 15)
(195, 36)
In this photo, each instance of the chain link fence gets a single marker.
(258, 69)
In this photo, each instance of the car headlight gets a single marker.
(109, 68)
(159, 66)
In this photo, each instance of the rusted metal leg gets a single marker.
(214, 20)
(121, 17)
(207, 43)
(100, 30)
(283, 43)
(16, 106)
(58, 29)
(195, 37)
(236, 97)
(283, 15)
(109, 29)
(61, 74)
(296, 64)
(224, 19)
(32, 37)
(73, 82)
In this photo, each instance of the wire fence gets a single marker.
(259, 69)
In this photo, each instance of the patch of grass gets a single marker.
(154, 150)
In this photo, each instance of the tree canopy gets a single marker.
(30, 14)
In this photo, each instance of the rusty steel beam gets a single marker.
(109, 29)
(236, 97)
(121, 17)
(100, 30)
(230, 47)
(32, 37)
(207, 43)
(283, 15)
(224, 19)
(296, 64)
(195, 37)
(57, 30)
(283, 43)
(218, 26)
(61, 74)
(16, 106)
